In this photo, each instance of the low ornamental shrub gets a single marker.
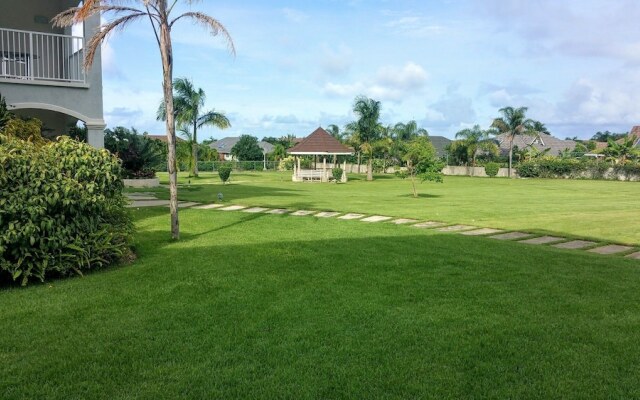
(224, 172)
(337, 174)
(62, 210)
(551, 167)
(491, 169)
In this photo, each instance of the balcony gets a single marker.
(41, 58)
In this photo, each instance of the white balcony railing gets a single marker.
(38, 56)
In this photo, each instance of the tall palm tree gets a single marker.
(408, 131)
(159, 15)
(513, 123)
(540, 128)
(476, 139)
(334, 130)
(367, 127)
(188, 103)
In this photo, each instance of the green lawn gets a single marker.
(264, 306)
(600, 210)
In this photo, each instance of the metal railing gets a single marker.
(41, 56)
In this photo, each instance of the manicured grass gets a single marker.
(600, 210)
(264, 306)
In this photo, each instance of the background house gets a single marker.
(41, 73)
(440, 143)
(224, 146)
(539, 142)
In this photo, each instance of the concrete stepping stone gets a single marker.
(135, 198)
(302, 213)
(574, 244)
(233, 208)
(148, 203)
(610, 249)
(456, 228)
(351, 216)
(255, 210)
(375, 218)
(635, 256)
(208, 206)
(326, 214)
(543, 240)
(187, 204)
(511, 236)
(401, 221)
(429, 224)
(481, 231)
(278, 211)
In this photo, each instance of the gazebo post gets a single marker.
(324, 169)
(344, 170)
(298, 161)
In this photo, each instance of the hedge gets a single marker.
(575, 168)
(61, 209)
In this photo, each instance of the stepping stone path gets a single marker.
(351, 216)
(610, 249)
(302, 213)
(233, 208)
(543, 240)
(456, 228)
(429, 224)
(326, 214)
(208, 206)
(375, 218)
(511, 236)
(254, 210)
(574, 244)
(149, 200)
(635, 256)
(187, 204)
(482, 231)
(401, 221)
(278, 211)
(148, 203)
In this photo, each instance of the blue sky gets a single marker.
(448, 64)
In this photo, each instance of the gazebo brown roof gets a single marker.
(320, 142)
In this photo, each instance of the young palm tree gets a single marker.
(367, 127)
(188, 102)
(408, 131)
(334, 130)
(476, 139)
(540, 128)
(513, 123)
(159, 14)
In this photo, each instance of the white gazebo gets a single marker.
(319, 143)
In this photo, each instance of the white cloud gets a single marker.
(294, 16)
(389, 83)
(336, 61)
(414, 26)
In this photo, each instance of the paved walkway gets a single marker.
(149, 200)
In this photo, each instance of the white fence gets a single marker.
(41, 56)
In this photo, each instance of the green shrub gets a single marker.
(61, 209)
(140, 156)
(492, 169)
(337, 174)
(224, 171)
(287, 163)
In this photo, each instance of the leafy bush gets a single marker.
(492, 169)
(61, 209)
(337, 174)
(224, 171)
(287, 163)
(552, 167)
(140, 155)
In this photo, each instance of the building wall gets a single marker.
(79, 101)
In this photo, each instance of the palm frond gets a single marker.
(74, 15)
(97, 39)
(212, 118)
(215, 27)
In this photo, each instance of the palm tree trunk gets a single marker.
(358, 162)
(194, 150)
(167, 86)
(510, 154)
(370, 169)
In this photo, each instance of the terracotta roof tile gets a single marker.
(320, 142)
